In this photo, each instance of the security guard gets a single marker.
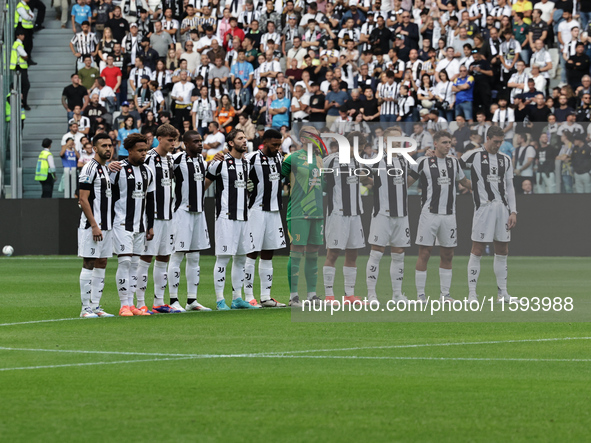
(25, 19)
(45, 171)
(18, 62)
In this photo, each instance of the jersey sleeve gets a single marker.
(286, 167)
(213, 170)
(151, 181)
(412, 170)
(459, 171)
(87, 176)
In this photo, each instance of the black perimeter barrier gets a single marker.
(547, 225)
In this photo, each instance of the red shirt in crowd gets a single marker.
(110, 75)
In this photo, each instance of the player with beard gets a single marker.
(264, 217)
(305, 218)
(95, 234)
(233, 237)
(189, 219)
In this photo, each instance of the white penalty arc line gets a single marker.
(41, 321)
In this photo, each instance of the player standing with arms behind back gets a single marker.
(159, 161)
(264, 218)
(389, 224)
(495, 210)
(233, 239)
(189, 219)
(438, 175)
(95, 235)
(305, 218)
(133, 197)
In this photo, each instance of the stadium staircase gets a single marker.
(47, 117)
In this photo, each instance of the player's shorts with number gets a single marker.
(304, 231)
(190, 231)
(437, 230)
(389, 231)
(88, 248)
(232, 237)
(490, 223)
(344, 232)
(266, 228)
(163, 241)
(125, 242)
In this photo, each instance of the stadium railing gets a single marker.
(10, 109)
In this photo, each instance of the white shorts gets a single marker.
(88, 248)
(490, 223)
(267, 230)
(232, 237)
(128, 243)
(190, 231)
(389, 231)
(344, 232)
(163, 240)
(437, 230)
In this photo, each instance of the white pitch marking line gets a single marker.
(41, 321)
(287, 353)
(93, 363)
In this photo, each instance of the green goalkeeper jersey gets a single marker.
(305, 199)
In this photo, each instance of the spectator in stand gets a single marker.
(74, 95)
(81, 13)
(105, 47)
(161, 41)
(113, 77)
(225, 114)
(545, 162)
(82, 121)
(581, 164)
(88, 74)
(96, 113)
(214, 142)
(45, 170)
(523, 161)
(279, 110)
(118, 25)
(84, 43)
(148, 55)
(463, 87)
(107, 97)
(246, 125)
(129, 127)
(242, 70)
(577, 66)
(69, 156)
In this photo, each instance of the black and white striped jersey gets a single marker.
(246, 17)
(492, 177)
(479, 9)
(131, 45)
(85, 43)
(416, 69)
(354, 34)
(203, 109)
(95, 178)
(386, 90)
(162, 77)
(230, 176)
(162, 169)
(343, 187)
(366, 29)
(203, 70)
(190, 182)
(169, 26)
(132, 186)
(438, 178)
(136, 75)
(265, 173)
(390, 187)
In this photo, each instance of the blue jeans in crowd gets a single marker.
(585, 19)
(387, 119)
(567, 184)
(464, 109)
(556, 19)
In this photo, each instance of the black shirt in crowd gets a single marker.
(317, 102)
(75, 96)
(119, 26)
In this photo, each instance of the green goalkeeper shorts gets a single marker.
(304, 232)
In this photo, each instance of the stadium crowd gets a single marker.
(426, 65)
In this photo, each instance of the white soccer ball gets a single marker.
(8, 250)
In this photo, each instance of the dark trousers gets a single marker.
(40, 7)
(181, 115)
(25, 84)
(28, 41)
(47, 187)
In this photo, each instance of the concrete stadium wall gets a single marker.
(547, 225)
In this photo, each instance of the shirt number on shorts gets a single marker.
(453, 233)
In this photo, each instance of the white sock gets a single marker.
(397, 273)
(219, 275)
(249, 278)
(421, 281)
(473, 272)
(311, 295)
(142, 279)
(372, 272)
(445, 280)
(266, 278)
(85, 286)
(192, 270)
(160, 281)
(500, 267)
(174, 273)
(329, 273)
(237, 275)
(98, 284)
(293, 295)
(135, 260)
(123, 280)
(350, 275)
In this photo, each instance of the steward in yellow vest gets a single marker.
(45, 171)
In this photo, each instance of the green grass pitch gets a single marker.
(238, 376)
